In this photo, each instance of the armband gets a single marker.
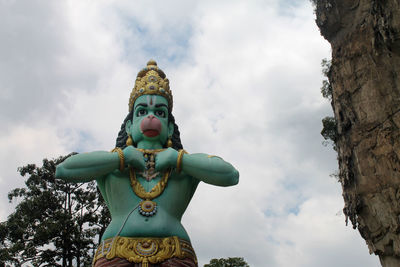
(179, 160)
(121, 158)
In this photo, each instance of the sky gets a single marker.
(245, 77)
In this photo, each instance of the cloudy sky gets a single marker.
(245, 77)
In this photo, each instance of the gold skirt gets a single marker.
(145, 250)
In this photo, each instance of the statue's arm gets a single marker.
(87, 166)
(210, 169)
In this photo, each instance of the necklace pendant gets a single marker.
(147, 208)
(149, 158)
(149, 174)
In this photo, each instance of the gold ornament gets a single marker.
(169, 142)
(151, 81)
(154, 192)
(145, 250)
(150, 151)
(213, 156)
(146, 206)
(121, 158)
(129, 141)
(179, 160)
(149, 158)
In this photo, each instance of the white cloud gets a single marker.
(245, 79)
(22, 145)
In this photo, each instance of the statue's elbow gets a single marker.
(231, 179)
(59, 172)
(235, 177)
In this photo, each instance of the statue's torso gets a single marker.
(171, 204)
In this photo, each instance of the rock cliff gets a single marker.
(365, 40)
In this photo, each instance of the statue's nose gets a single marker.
(151, 116)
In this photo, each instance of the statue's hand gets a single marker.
(134, 158)
(166, 159)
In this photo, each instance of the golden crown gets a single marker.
(151, 81)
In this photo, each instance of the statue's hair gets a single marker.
(123, 136)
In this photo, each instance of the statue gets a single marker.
(147, 181)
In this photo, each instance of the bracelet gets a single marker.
(121, 158)
(179, 160)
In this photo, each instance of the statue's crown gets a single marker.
(151, 81)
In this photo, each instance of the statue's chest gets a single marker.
(125, 187)
(151, 197)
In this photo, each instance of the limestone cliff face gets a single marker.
(365, 40)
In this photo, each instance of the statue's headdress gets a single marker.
(151, 81)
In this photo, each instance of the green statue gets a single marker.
(147, 181)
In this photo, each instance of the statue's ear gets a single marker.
(128, 126)
(170, 129)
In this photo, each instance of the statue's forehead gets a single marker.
(154, 99)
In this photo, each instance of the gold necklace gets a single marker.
(150, 151)
(147, 207)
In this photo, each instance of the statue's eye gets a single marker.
(141, 112)
(160, 113)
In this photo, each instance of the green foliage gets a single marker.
(326, 89)
(55, 223)
(329, 130)
(329, 124)
(229, 262)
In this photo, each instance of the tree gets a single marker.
(326, 89)
(329, 130)
(329, 124)
(229, 262)
(365, 82)
(55, 223)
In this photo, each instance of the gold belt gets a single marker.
(145, 250)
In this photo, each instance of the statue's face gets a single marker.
(150, 120)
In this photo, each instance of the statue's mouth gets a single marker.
(151, 132)
(150, 126)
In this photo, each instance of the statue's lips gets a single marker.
(151, 132)
(150, 126)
